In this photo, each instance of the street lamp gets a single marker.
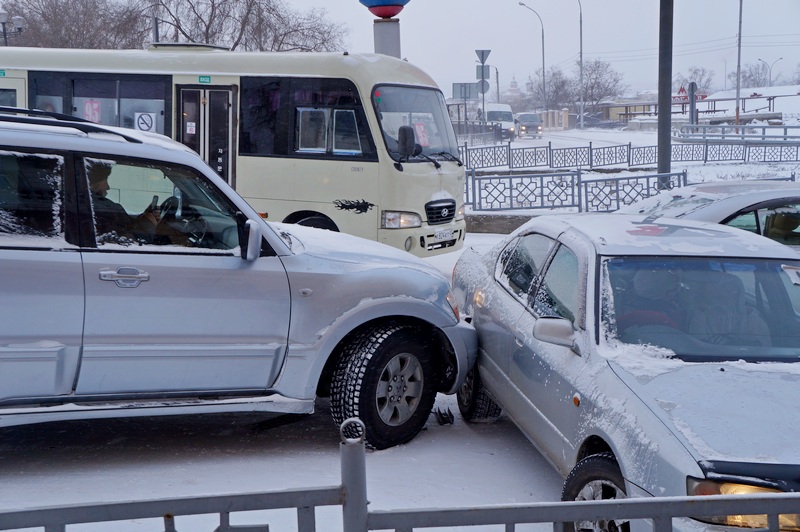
(770, 68)
(580, 27)
(544, 86)
(18, 23)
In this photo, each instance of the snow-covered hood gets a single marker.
(738, 412)
(356, 251)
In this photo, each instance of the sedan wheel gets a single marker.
(595, 478)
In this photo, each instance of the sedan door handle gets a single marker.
(125, 276)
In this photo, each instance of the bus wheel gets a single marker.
(320, 222)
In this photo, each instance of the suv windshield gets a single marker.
(422, 109)
(529, 119)
(706, 309)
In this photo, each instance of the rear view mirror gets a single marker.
(406, 142)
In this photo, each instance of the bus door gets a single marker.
(206, 126)
(12, 91)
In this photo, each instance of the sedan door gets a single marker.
(41, 316)
(171, 308)
(545, 374)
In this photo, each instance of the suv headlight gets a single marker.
(696, 486)
(400, 220)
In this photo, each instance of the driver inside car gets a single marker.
(110, 217)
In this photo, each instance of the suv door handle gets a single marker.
(125, 276)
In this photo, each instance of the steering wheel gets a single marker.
(169, 208)
(196, 229)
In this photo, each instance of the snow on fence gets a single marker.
(506, 157)
(351, 495)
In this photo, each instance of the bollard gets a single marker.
(354, 479)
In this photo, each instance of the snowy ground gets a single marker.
(445, 466)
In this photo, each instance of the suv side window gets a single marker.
(31, 197)
(146, 203)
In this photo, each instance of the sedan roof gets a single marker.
(714, 201)
(624, 234)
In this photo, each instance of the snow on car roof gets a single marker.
(688, 200)
(625, 234)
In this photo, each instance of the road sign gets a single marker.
(482, 55)
(482, 72)
(465, 91)
(483, 86)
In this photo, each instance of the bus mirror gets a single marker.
(406, 142)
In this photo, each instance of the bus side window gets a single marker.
(345, 133)
(312, 131)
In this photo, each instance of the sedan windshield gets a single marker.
(424, 110)
(705, 309)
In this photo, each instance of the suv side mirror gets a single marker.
(249, 238)
(405, 141)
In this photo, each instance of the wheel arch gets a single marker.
(445, 363)
(299, 216)
(593, 445)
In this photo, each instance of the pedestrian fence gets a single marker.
(563, 190)
(351, 496)
(626, 155)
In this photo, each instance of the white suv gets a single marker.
(136, 282)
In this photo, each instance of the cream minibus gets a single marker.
(357, 143)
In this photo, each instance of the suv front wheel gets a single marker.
(385, 378)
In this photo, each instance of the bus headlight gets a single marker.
(709, 487)
(460, 214)
(400, 220)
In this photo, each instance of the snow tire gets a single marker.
(385, 377)
(474, 402)
(596, 477)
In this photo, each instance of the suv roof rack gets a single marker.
(48, 118)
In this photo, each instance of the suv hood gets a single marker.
(342, 247)
(736, 412)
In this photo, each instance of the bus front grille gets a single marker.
(440, 211)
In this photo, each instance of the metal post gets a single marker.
(580, 27)
(665, 90)
(5, 34)
(354, 479)
(544, 85)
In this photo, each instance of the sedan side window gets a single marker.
(522, 261)
(136, 203)
(558, 294)
(31, 197)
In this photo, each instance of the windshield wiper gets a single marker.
(429, 159)
(450, 157)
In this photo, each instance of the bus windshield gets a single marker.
(421, 108)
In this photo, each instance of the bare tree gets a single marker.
(700, 75)
(559, 88)
(252, 25)
(753, 75)
(601, 82)
(79, 23)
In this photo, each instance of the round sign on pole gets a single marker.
(483, 86)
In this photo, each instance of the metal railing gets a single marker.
(738, 133)
(563, 190)
(588, 157)
(351, 495)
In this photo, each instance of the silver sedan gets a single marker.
(641, 357)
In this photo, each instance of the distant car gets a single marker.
(769, 208)
(529, 124)
(641, 357)
(137, 282)
(502, 117)
(597, 120)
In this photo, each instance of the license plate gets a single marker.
(444, 235)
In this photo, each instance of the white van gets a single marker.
(501, 113)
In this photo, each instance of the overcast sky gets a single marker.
(441, 36)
